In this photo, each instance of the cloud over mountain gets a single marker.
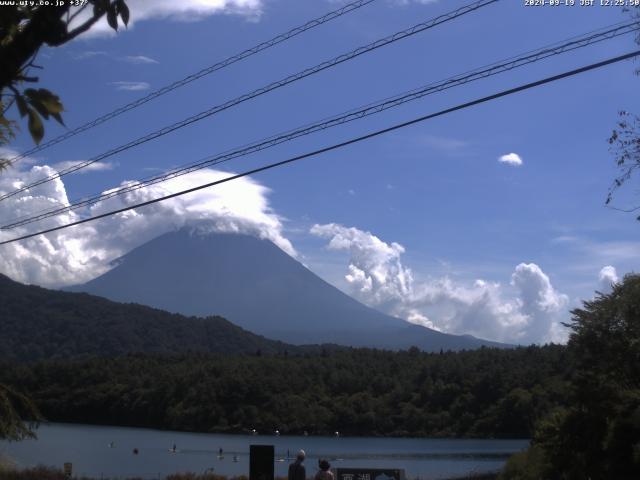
(378, 278)
(80, 253)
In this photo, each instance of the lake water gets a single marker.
(88, 448)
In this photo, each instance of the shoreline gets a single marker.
(237, 433)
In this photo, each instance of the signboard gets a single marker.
(67, 469)
(261, 458)
(369, 474)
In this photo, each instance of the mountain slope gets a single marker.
(256, 285)
(37, 323)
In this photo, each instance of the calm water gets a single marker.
(87, 447)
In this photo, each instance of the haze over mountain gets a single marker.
(257, 286)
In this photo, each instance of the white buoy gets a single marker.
(337, 434)
(254, 432)
(277, 432)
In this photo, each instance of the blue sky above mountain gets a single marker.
(489, 221)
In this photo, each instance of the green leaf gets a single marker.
(48, 99)
(22, 105)
(58, 118)
(40, 108)
(123, 10)
(112, 17)
(35, 126)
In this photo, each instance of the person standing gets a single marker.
(296, 469)
(324, 473)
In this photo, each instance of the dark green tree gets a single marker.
(625, 141)
(598, 435)
(14, 408)
(23, 31)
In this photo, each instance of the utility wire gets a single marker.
(356, 114)
(350, 7)
(336, 146)
(420, 27)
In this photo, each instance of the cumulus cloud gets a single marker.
(183, 10)
(606, 278)
(131, 86)
(529, 313)
(77, 254)
(512, 159)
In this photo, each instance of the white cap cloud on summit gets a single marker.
(78, 254)
(378, 278)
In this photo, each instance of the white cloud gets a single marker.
(606, 278)
(134, 59)
(90, 54)
(93, 167)
(131, 86)
(377, 277)
(443, 143)
(139, 59)
(182, 10)
(512, 159)
(77, 254)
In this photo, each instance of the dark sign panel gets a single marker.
(369, 474)
(261, 459)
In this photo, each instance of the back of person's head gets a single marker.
(300, 456)
(324, 464)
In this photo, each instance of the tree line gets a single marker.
(481, 393)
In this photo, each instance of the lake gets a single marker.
(92, 452)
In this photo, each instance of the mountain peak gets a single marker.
(256, 285)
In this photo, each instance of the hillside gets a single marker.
(37, 323)
(256, 285)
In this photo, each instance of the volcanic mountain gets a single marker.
(255, 285)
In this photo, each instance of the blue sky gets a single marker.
(437, 188)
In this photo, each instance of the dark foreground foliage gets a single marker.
(597, 434)
(47, 473)
(481, 393)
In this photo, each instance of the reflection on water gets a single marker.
(108, 451)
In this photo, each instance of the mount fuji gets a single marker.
(255, 285)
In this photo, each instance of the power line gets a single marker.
(509, 64)
(261, 91)
(336, 146)
(350, 7)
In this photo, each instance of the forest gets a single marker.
(38, 323)
(578, 403)
(481, 393)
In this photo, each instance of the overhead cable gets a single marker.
(420, 27)
(355, 114)
(336, 146)
(350, 7)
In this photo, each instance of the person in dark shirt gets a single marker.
(324, 473)
(296, 469)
